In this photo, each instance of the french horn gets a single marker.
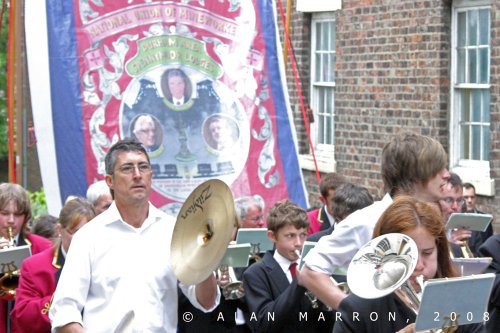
(384, 265)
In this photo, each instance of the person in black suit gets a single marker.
(276, 303)
(478, 237)
(222, 319)
(491, 248)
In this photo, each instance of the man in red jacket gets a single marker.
(322, 218)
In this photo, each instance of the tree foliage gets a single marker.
(3, 86)
(38, 203)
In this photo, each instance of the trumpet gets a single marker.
(10, 237)
(234, 288)
(464, 248)
(10, 274)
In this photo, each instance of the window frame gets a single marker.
(324, 153)
(474, 171)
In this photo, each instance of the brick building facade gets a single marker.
(394, 71)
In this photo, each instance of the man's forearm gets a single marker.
(71, 328)
(206, 292)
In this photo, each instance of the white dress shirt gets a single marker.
(336, 250)
(331, 219)
(113, 269)
(284, 264)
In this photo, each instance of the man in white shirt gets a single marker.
(412, 164)
(112, 273)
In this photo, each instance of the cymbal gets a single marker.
(202, 232)
(382, 265)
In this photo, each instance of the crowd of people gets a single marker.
(96, 267)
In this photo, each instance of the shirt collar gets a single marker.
(112, 215)
(282, 261)
(330, 217)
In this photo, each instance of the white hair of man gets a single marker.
(244, 203)
(96, 190)
(142, 121)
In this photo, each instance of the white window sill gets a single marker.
(325, 163)
(484, 185)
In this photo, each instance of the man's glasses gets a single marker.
(129, 169)
(255, 218)
(450, 201)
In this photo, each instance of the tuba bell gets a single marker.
(9, 275)
(385, 265)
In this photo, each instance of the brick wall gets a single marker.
(300, 36)
(392, 75)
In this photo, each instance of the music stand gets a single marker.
(11, 258)
(469, 266)
(257, 237)
(305, 250)
(237, 255)
(470, 221)
(454, 301)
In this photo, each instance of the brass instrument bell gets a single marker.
(385, 265)
(9, 280)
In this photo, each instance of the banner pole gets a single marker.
(10, 92)
(289, 7)
(18, 100)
